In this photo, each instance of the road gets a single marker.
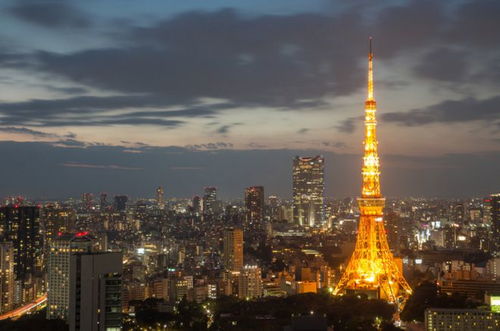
(24, 309)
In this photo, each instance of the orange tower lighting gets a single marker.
(372, 268)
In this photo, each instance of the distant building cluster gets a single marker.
(94, 261)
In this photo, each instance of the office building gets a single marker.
(95, 292)
(441, 319)
(21, 226)
(250, 283)
(209, 200)
(120, 203)
(196, 203)
(308, 190)
(57, 220)
(471, 288)
(58, 268)
(233, 249)
(6, 276)
(87, 201)
(254, 203)
(160, 197)
(103, 201)
(494, 215)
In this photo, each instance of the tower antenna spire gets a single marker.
(370, 72)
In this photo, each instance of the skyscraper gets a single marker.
(21, 226)
(308, 190)
(120, 203)
(494, 210)
(372, 269)
(56, 220)
(6, 276)
(254, 203)
(95, 292)
(160, 198)
(87, 201)
(103, 201)
(209, 200)
(58, 266)
(233, 249)
(196, 202)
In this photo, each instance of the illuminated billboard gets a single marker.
(495, 303)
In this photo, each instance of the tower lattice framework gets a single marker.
(372, 268)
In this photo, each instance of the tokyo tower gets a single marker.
(372, 269)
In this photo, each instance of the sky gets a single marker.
(121, 96)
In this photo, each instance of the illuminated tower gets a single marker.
(372, 268)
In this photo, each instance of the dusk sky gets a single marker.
(122, 96)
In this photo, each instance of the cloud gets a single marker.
(256, 145)
(443, 64)
(412, 25)
(349, 125)
(199, 54)
(209, 146)
(53, 14)
(185, 168)
(476, 24)
(336, 144)
(93, 111)
(26, 131)
(97, 166)
(223, 129)
(67, 90)
(303, 131)
(450, 111)
(70, 143)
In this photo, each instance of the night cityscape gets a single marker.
(217, 165)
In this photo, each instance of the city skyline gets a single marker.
(219, 165)
(68, 126)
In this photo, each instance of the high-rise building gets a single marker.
(6, 276)
(21, 226)
(274, 208)
(254, 203)
(103, 201)
(308, 190)
(196, 202)
(120, 203)
(160, 197)
(57, 220)
(233, 249)
(250, 283)
(494, 211)
(372, 269)
(87, 201)
(95, 292)
(209, 200)
(58, 266)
